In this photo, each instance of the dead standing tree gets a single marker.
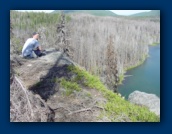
(111, 66)
(11, 28)
(11, 34)
(63, 39)
(11, 70)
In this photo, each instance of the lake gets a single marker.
(146, 77)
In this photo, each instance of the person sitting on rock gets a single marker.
(32, 45)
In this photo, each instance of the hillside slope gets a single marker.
(92, 12)
(152, 13)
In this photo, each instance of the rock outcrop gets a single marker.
(32, 70)
(149, 100)
(41, 77)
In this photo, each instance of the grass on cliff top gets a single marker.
(69, 86)
(117, 109)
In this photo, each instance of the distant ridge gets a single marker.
(92, 12)
(152, 13)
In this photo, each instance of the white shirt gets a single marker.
(29, 46)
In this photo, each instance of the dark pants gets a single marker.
(39, 53)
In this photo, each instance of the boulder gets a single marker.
(149, 100)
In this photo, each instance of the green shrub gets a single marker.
(68, 18)
(116, 108)
(17, 45)
(69, 86)
(154, 44)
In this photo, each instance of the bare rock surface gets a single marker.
(149, 100)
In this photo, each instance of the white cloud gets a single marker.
(128, 12)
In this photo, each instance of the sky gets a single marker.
(119, 12)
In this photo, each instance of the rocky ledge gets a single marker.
(149, 100)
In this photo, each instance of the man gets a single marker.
(32, 45)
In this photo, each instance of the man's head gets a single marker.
(35, 35)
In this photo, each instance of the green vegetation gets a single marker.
(92, 12)
(154, 44)
(32, 20)
(152, 13)
(18, 46)
(138, 64)
(88, 95)
(69, 86)
(121, 78)
(68, 18)
(85, 78)
(116, 107)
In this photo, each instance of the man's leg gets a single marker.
(28, 57)
(39, 53)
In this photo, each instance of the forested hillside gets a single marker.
(130, 39)
(91, 12)
(92, 39)
(152, 13)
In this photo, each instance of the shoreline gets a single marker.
(122, 76)
(154, 44)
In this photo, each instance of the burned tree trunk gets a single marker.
(11, 28)
(62, 38)
(111, 66)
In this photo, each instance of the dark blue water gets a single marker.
(145, 78)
